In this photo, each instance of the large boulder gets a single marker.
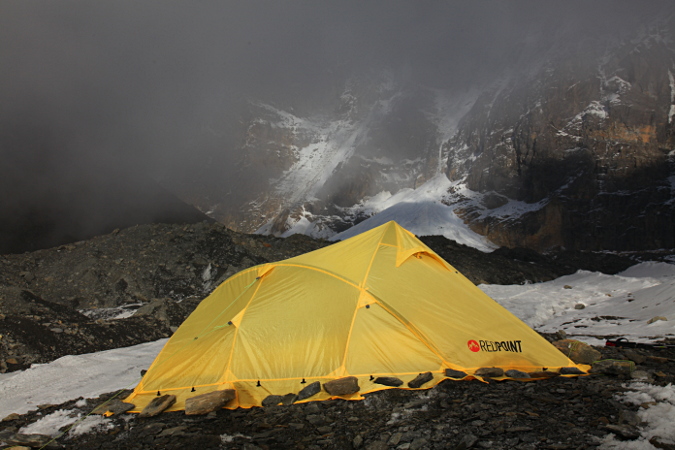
(577, 351)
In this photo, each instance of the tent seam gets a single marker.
(362, 290)
(236, 332)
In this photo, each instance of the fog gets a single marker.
(95, 96)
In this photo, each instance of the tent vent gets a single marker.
(229, 323)
(303, 381)
(258, 385)
(372, 378)
(367, 306)
(193, 389)
(158, 394)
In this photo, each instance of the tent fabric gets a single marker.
(379, 304)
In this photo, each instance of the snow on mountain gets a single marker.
(332, 143)
(420, 211)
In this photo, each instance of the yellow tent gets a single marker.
(381, 304)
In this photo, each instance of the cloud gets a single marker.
(142, 88)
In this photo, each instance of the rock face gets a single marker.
(587, 142)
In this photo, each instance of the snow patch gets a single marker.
(114, 313)
(50, 425)
(613, 305)
(228, 439)
(58, 420)
(73, 376)
(657, 415)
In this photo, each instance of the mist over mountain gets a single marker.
(309, 117)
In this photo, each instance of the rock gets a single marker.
(342, 386)
(571, 371)
(611, 367)
(455, 373)
(115, 406)
(158, 405)
(659, 442)
(519, 429)
(8, 432)
(174, 432)
(577, 351)
(567, 286)
(12, 416)
(153, 428)
(272, 400)
(489, 372)
(544, 374)
(28, 440)
(640, 375)
(420, 380)
(629, 417)
(388, 381)
(467, 441)
(395, 439)
(657, 359)
(288, 399)
(211, 401)
(315, 419)
(579, 306)
(418, 444)
(624, 431)
(634, 356)
(309, 390)
(656, 319)
(516, 374)
(313, 408)
(377, 445)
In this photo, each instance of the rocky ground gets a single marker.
(558, 413)
(138, 284)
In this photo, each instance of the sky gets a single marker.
(95, 95)
(637, 295)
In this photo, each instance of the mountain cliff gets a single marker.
(573, 148)
(589, 139)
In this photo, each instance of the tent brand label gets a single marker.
(495, 346)
(473, 346)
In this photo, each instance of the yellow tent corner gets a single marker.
(381, 304)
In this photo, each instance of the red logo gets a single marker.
(473, 346)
